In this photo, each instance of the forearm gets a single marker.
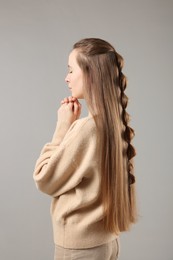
(60, 132)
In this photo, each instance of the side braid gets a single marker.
(129, 133)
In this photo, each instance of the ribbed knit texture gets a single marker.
(68, 171)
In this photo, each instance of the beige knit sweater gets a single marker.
(69, 173)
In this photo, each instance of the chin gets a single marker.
(78, 96)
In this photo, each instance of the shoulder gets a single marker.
(85, 124)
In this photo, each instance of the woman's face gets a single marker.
(74, 77)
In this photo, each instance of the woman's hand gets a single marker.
(69, 111)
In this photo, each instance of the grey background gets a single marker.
(36, 37)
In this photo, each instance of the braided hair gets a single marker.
(129, 132)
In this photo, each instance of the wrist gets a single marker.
(60, 131)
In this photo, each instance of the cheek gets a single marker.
(77, 81)
(80, 79)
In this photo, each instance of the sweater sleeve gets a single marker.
(60, 168)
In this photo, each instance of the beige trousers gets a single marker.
(109, 251)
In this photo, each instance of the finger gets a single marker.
(78, 103)
(77, 108)
(71, 99)
(66, 100)
(71, 105)
(74, 98)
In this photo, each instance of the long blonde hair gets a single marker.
(104, 86)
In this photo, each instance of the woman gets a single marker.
(87, 167)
